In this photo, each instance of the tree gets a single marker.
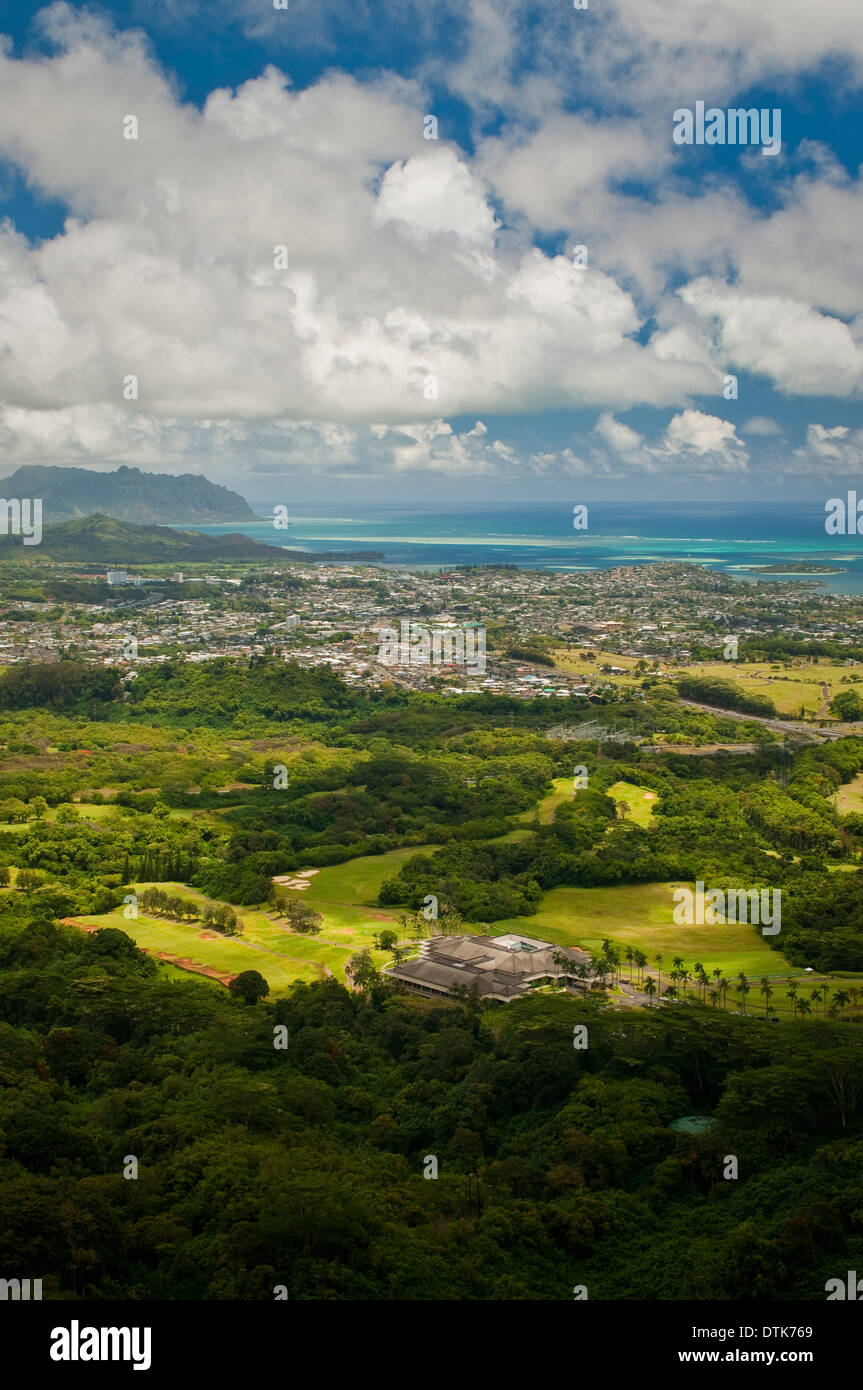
(250, 986)
(767, 991)
(361, 971)
(38, 806)
(650, 988)
(745, 987)
(302, 917)
(387, 939)
(841, 997)
(847, 705)
(450, 921)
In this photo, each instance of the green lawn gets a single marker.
(86, 811)
(849, 797)
(344, 894)
(220, 953)
(563, 791)
(639, 801)
(358, 881)
(640, 916)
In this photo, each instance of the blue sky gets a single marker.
(431, 338)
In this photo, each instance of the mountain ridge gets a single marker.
(126, 494)
(106, 540)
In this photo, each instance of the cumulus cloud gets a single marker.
(799, 349)
(166, 269)
(414, 290)
(836, 450)
(692, 439)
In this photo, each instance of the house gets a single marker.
(500, 967)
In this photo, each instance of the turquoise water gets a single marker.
(730, 538)
(693, 1124)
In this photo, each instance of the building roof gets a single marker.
(499, 967)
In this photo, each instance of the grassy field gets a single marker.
(791, 689)
(563, 791)
(344, 894)
(849, 797)
(639, 801)
(86, 811)
(640, 916)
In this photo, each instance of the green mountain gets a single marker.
(127, 494)
(104, 540)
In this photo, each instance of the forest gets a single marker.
(306, 1164)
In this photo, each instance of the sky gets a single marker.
(431, 252)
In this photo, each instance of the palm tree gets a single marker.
(804, 1008)
(744, 988)
(671, 992)
(815, 998)
(717, 975)
(649, 989)
(724, 987)
(659, 963)
(698, 971)
(630, 957)
(840, 999)
(714, 997)
(792, 995)
(766, 990)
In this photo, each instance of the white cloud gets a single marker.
(800, 350)
(761, 425)
(832, 450)
(410, 259)
(691, 440)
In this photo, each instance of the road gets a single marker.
(783, 726)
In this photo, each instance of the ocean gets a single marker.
(731, 537)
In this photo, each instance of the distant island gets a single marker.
(127, 494)
(105, 540)
(792, 567)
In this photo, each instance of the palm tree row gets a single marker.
(679, 977)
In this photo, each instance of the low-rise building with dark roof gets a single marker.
(498, 967)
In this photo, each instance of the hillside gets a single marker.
(104, 540)
(126, 494)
